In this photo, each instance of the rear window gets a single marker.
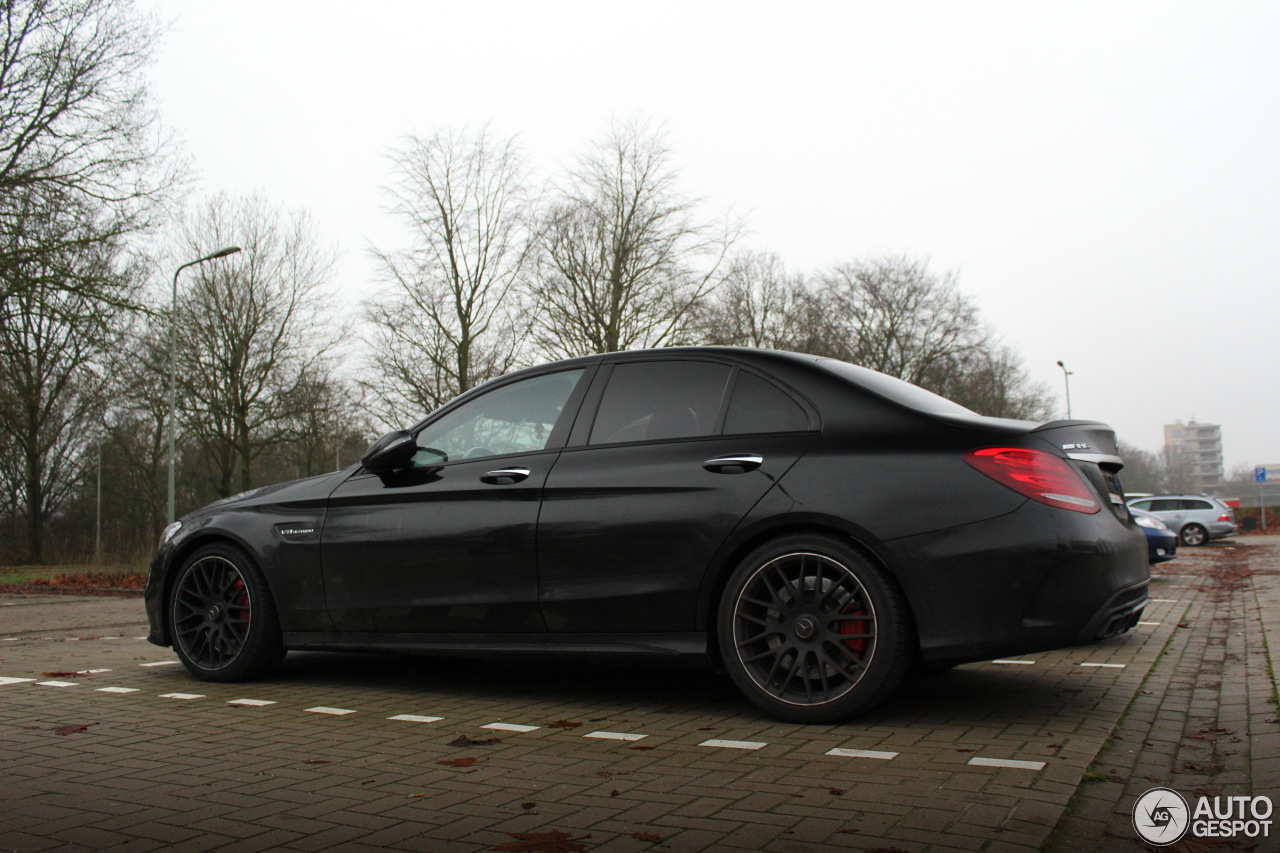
(894, 389)
(656, 400)
(760, 406)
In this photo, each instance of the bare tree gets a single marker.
(450, 318)
(78, 144)
(52, 383)
(991, 381)
(757, 305)
(621, 261)
(328, 426)
(1144, 471)
(250, 327)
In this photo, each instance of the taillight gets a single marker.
(1038, 475)
(1226, 518)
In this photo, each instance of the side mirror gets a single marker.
(393, 450)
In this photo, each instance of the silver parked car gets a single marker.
(1195, 518)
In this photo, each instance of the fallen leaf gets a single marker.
(59, 674)
(643, 748)
(563, 724)
(463, 740)
(317, 761)
(651, 837)
(63, 731)
(835, 792)
(554, 841)
(457, 762)
(966, 750)
(615, 792)
(528, 805)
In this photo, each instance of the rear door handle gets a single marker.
(735, 463)
(504, 476)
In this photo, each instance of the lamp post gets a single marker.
(1066, 378)
(173, 335)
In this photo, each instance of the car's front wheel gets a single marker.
(222, 619)
(812, 631)
(1193, 534)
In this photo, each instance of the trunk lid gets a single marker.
(1091, 446)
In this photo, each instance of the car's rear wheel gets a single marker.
(222, 619)
(1193, 534)
(812, 631)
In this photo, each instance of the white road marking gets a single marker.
(95, 671)
(415, 718)
(117, 690)
(14, 680)
(162, 663)
(335, 712)
(1164, 600)
(57, 683)
(1014, 662)
(1151, 624)
(510, 727)
(863, 753)
(252, 703)
(615, 736)
(733, 744)
(181, 695)
(1105, 665)
(1007, 762)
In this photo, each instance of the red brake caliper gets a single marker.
(854, 626)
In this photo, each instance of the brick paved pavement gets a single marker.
(148, 771)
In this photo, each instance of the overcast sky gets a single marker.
(1104, 176)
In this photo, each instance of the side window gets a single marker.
(515, 418)
(1194, 504)
(1167, 505)
(1143, 505)
(653, 400)
(760, 406)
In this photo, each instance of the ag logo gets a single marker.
(1161, 816)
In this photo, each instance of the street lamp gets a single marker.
(173, 335)
(1066, 377)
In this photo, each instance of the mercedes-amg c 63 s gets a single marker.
(813, 526)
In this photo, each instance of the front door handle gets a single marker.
(504, 476)
(735, 463)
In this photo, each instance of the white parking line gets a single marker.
(335, 712)
(733, 744)
(14, 680)
(1105, 665)
(616, 736)
(252, 703)
(161, 663)
(1149, 624)
(57, 683)
(117, 690)
(415, 718)
(1007, 762)
(863, 753)
(510, 727)
(1014, 662)
(181, 695)
(1163, 600)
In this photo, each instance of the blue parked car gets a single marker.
(1162, 543)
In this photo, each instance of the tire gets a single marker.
(222, 620)
(812, 631)
(1193, 534)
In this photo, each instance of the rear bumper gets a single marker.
(1219, 529)
(1038, 578)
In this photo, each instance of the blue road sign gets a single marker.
(1260, 474)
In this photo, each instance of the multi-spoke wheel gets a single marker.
(1193, 534)
(811, 631)
(223, 622)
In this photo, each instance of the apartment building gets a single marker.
(1196, 449)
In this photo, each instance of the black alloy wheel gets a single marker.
(812, 631)
(1193, 534)
(223, 622)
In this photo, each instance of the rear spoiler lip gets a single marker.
(1098, 458)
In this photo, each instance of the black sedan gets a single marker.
(815, 527)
